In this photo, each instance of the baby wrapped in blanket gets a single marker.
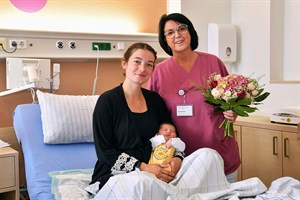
(164, 144)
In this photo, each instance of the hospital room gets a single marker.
(61, 62)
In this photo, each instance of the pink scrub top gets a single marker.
(201, 129)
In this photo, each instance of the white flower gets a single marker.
(228, 93)
(226, 96)
(254, 93)
(248, 95)
(217, 77)
(251, 86)
(216, 93)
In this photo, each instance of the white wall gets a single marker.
(291, 47)
(253, 21)
(202, 12)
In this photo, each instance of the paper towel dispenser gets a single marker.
(222, 41)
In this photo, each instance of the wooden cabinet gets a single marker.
(9, 174)
(261, 154)
(268, 151)
(291, 154)
(237, 134)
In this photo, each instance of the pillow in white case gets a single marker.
(66, 118)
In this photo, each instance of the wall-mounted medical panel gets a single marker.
(23, 71)
(61, 45)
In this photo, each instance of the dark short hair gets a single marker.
(177, 17)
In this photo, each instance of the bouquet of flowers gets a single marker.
(233, 92)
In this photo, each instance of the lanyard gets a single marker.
(182, 93)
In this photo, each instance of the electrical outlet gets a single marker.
(59, 44)
(102, 46)
(72, 44)
(21, 44)
(3, 43)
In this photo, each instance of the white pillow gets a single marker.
(66, 118)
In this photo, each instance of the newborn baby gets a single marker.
(164, 144)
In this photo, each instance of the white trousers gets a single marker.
(232, 177)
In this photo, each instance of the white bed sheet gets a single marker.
(207, 182)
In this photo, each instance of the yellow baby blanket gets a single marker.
(161, 153)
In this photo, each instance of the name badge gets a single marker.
(184, 110)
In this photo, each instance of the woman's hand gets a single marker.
(230, 115)
(161, 171)
(169, 169)
(175, 164)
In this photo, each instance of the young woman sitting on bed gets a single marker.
(126, 117)
(124, 120)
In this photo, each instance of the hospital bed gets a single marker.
(77, 159)
(41, 158)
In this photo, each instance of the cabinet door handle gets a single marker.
(285, 146)
(275, 141)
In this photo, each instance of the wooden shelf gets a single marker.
(9, 173)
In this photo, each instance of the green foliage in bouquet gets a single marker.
(233, 92)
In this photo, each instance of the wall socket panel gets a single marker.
(101, 46)
(21, 44)
(77, 46)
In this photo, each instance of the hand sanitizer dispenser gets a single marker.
(222, 41)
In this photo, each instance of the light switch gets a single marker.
(120, 46)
